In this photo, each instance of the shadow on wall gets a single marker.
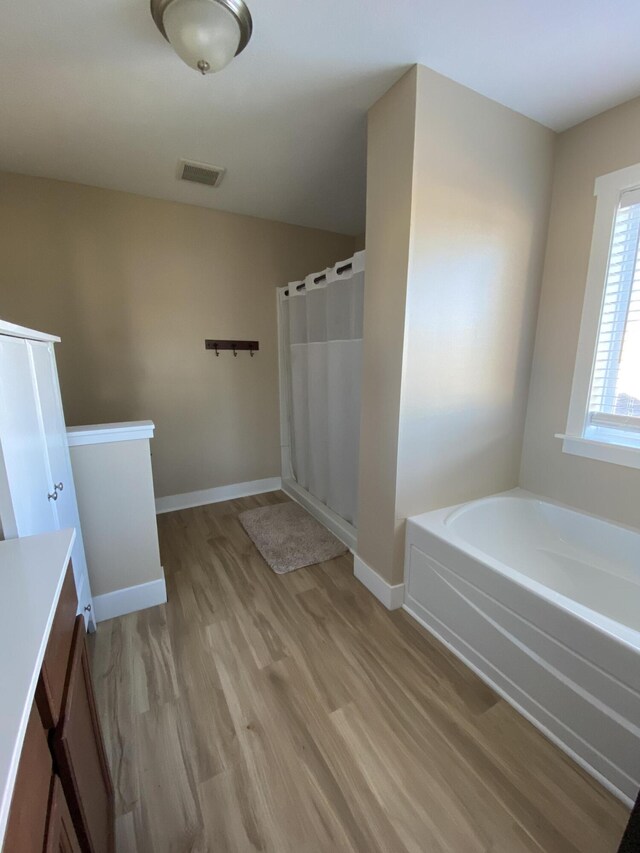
(99, 285)
(491, 462)
(66, 284)
(467, 413)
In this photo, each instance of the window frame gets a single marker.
(581, 437)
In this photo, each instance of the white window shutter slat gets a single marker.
(614, 400)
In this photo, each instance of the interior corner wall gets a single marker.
(453, 371)
(603, 144)
(481, 192)
(133, 286)
(391, 125)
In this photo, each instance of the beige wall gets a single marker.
(596, 147)
(479, 188)
(134, 286)
(389, 179)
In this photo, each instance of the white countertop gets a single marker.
(32, 571)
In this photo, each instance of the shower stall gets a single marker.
(320, 349)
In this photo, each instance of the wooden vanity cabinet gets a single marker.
(63, 796)
(27, 826)
(61, 834)
(39, 819)
(80, 755)
(53, 676)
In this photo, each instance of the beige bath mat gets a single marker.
(288, 537)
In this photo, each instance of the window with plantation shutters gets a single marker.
(615, 385)
(604, 412)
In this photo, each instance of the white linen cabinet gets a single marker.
(37, 493)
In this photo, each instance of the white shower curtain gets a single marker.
(322, 318)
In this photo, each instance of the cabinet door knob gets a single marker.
(59, 487)
(54, 496)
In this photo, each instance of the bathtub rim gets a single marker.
(435, 523)
(525, 494)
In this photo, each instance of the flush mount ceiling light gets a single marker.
(206, 34)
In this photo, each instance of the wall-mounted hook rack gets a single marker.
(235, 346)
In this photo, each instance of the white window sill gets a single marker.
(603, 451)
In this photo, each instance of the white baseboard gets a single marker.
(340, 528)
(392, 596)
(130, 599)
(217, 494)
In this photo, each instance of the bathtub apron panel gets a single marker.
(579, 685)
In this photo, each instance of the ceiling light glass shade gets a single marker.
(206, 34)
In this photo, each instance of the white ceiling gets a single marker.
(90, 91)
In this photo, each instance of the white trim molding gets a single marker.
(109, 433)
(171, 503)
(14, 331)
(582, 436)
(392, 596)
(601, 451)
(128, 600)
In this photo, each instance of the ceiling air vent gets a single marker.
(200, 173)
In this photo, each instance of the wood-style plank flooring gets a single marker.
(294, 713)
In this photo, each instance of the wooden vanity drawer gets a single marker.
(80, 755)
(61, 833)
(28, 815)
(52, 678)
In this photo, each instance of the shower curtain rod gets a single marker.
(322, 277)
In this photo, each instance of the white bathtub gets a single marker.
(543, 602)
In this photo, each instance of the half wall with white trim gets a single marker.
(112, 470)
